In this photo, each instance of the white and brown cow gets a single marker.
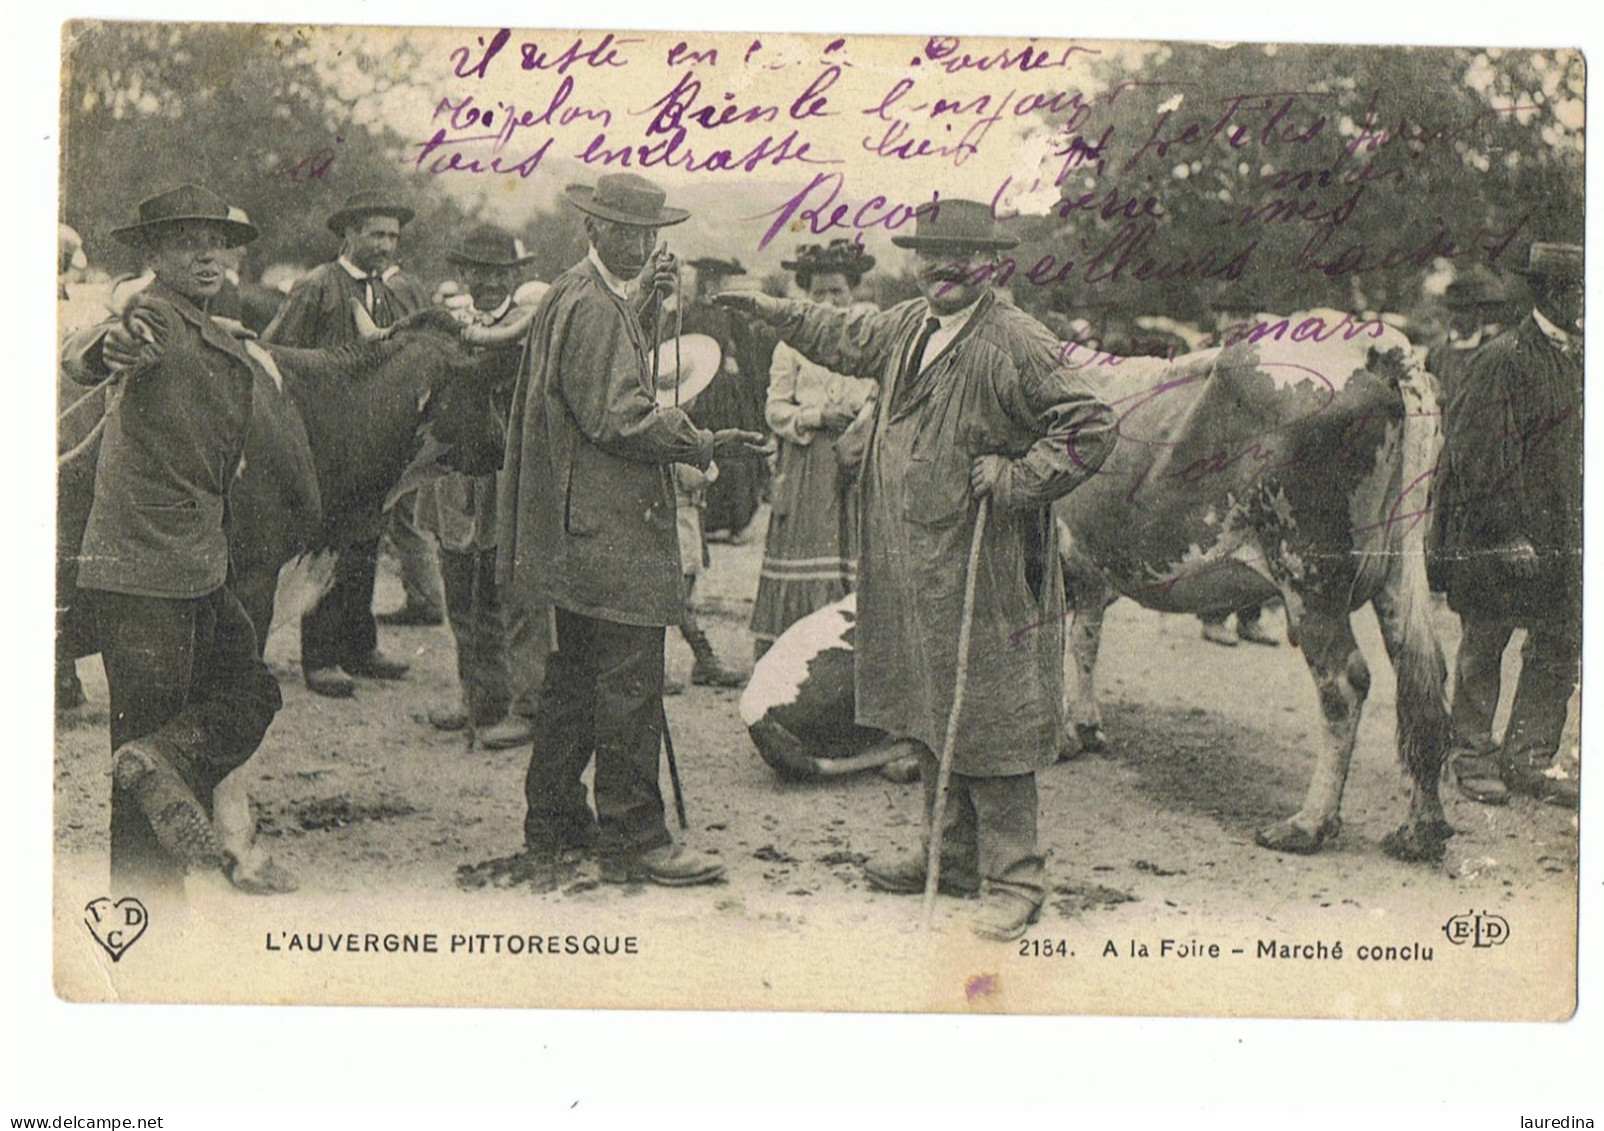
(1293, 464)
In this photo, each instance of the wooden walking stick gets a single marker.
(673, 772)
(944, 773)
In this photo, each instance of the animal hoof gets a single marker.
(1090, 739)
(1416, 844)
(1288, 837)
(266, 877)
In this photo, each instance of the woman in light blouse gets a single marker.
(810, 558)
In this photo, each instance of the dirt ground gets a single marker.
(1206, 745)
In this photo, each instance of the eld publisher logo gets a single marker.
(1480, 930)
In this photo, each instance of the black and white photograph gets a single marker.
(798, 522)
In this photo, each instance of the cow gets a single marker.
(1292, 463)
(797, 705)
(330, 434)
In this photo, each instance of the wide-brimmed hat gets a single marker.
(840, 256)
(956, 225)
(188, 204)
(699, 360)
(1473, 287)
(360, 205)
(1553, 261)
(489, 246)
(626, 198)
(709, 266)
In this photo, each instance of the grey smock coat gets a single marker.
(996, 388)
(586, 508)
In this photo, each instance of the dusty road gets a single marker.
(1206, 744)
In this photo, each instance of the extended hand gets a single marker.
(131, 344)
(984, 473)
(736, 443)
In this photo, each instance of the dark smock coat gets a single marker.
(996, 388)
(586, 506)
(1512, 468)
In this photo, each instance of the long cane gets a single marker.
(944, 773)
(673, 771)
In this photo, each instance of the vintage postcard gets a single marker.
(599, 519)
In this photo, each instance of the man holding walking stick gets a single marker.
(587, 521)
(974, 405)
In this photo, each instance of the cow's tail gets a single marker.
(302, 583)
(1423, 721)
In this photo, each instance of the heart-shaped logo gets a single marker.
(116, 926)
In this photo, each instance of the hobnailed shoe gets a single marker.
(514, 730)
(712, 673)
(1479, 778)
(182, 826)
(1532, 780)
(906, 875)
(333, 683)
(1003, 917)
(376, 665)
(672, 865)
(410, 615)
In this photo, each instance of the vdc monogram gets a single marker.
(116, 926)
(1479, 929)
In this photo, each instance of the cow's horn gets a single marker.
(366, 329)
(511, 330)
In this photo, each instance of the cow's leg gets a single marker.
(255, 584)
(1089, 594)
(1424, 730)
(1343, 680)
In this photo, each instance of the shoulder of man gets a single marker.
(1019, 335)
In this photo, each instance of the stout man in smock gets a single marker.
(587, 521)
(974, 404)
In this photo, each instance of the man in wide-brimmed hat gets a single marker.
(339, 638)
(1509, 535)
(190, 698)
(973, 404)
(501, 645)
(588, 523)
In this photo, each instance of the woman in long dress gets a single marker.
(810, 558)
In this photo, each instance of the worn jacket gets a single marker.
(996, 388)
(586, 504)
(1512, 468)
(171, 450)
(318, 311)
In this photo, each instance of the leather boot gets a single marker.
(708, 671)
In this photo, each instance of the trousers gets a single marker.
(1548, 674)
(340, 629)
(603, 696)
(478, 622)
(184, 675)
(989, 828)
(414, 552)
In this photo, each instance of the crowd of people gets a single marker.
(562, 549)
